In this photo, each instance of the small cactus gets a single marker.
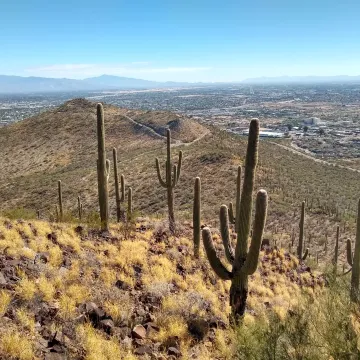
(119, 194)
(300, 254)
(103, 170)
(172, 175)
(243, 260)
(197, 216)
(61, 212)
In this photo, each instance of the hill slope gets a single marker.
(61, 144)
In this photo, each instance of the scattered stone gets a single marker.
(142, 350)
(107, 325)
(139, 332)
(122, 285)
(127, 342)
(151, 325)
(174, 351)
(3, 281)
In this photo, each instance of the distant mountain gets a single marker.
(19, 84)
(121, 82)
(303, 79)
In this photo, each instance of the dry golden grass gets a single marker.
(94, 266)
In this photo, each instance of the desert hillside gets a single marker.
(139, 288)
(61, 145)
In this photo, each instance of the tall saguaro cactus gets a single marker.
(172, 175)
(336, 252)
(119, 194)
(300, 247)
(354, 261)
(129, 208)
(238, 197)
(103, 170)
(61, 212)
(243, 260)
(197, 216)
(80, 208)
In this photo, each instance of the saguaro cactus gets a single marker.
(354, 261)
(336, 252)
(80, 208)
(300, 254)
(129, 208)
(233, 218)
(244, 261)
(119, 198)
(103, 170)
(197, 216)
(172, 175)
(61, 212)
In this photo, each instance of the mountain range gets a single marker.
(19, 84)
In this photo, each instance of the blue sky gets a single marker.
(180, 40)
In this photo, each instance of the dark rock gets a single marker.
(79, 229)
(171, 341)
(217, 323)
(42, 257)
(198, 328)
(152, 326)
(142, 350)
(139, 332)
(107, 325)
(265, 243)
(174, 351)
(122, 285)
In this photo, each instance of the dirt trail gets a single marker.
(174, 142)
(295, 151)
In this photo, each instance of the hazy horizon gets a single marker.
(189, 41)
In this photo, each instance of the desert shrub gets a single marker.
(19, 213)
(321, 327)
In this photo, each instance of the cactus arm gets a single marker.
(173, 184)
(122, 181)
(248, 185)
(218, 267)
(349, 255)
(179, 166)
(224, 229)
(252, 258)
(162, 182)
(231, 213)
